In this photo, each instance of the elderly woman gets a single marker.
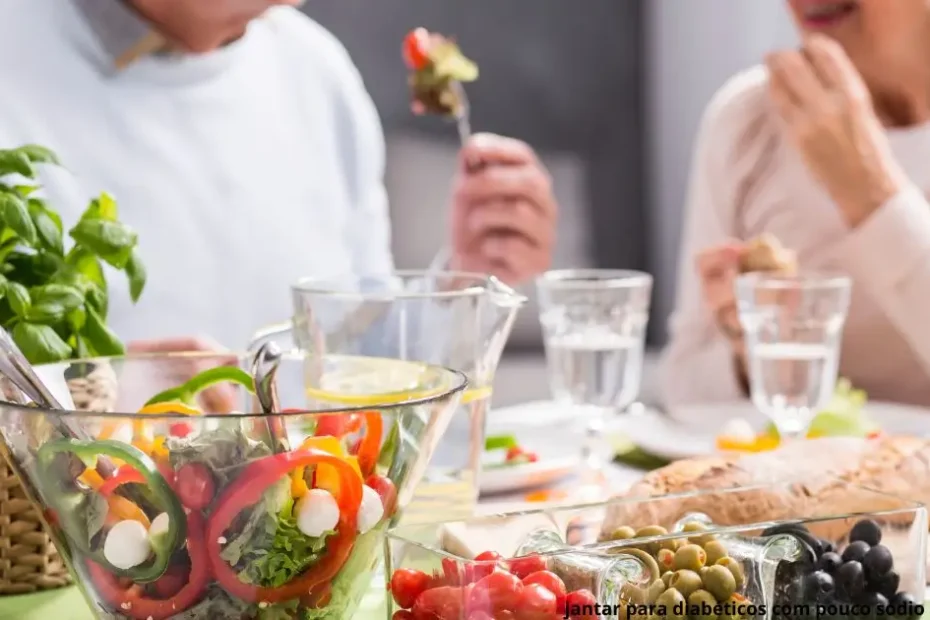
(827, 148)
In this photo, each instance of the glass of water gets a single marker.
(594, 326)
(793, 326)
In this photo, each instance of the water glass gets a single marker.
(594, 327)
(793, 326)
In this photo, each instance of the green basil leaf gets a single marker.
(81, 350)
(100, 338)
(50, 303)
(98, 299)
(18, 297)
(111, 241)
(88, 265)
(76, 319)
(16, 162)
(15, 214)
(137, 275)
(38, 154)
(102, 208)
(48, 226)
(40, 343)
(25, 190)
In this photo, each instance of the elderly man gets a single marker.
(240, 142)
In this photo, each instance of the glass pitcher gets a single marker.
(454, 319)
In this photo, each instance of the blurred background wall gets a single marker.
(609, 91)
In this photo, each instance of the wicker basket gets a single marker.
(29, 561)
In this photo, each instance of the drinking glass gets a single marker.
(594, 327)
(793, 325)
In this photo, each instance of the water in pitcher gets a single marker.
(596, 368)
(792, 379)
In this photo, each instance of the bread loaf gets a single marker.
(893, 472)
(766, 253)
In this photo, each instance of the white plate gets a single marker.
(692, 431)
(539, 429)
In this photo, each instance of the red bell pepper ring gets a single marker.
(124, 475)
(369, 446)
(132, 601)
(247, 491)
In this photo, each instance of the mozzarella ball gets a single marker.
(127, 545)
(370, 511)
(159, 525)
(317, 513)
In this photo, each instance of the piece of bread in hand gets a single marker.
(766, 253)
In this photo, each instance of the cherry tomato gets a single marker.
(416, 46)
(500, 590)
(167, 473)
(171, 582)
(527, 565)
(484, 565)
(582, 602)
(514, 452)
(443, 602)
(536, 603)
(403, 614)
(532, 457)
(452, 574)
(407, 585)
(549, 581)
(385, 490)
(195, 486)
(180, 429)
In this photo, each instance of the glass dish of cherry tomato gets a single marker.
(674, 556)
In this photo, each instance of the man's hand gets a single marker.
(503, 210)
(829, 115)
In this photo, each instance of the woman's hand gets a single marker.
(717, 269)
(829, 114)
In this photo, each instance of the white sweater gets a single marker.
(242, 170)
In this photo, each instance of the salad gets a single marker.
(437, 70)
(844, 416)
(199, 523)
(505, 451)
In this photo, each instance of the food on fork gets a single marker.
(766, 253)
(437, 70)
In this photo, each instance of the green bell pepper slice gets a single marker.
(74, 522)
(187, 392)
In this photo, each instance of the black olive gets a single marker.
(829, 562)
(877, 562)
(867, 531)
(904, 605)
(850, 578)
(855, 551)
(887, 584)
(785, 528)
(874, 602)
(827, 546)
(817, 585)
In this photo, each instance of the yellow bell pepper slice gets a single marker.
(138, 426)
(327, 477)
(122, 509)
(91, 478)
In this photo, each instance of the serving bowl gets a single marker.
(667, 561)
(167, 501)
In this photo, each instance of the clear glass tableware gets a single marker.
(213, 496)
(773, 537)
(594, 326)
(793, 327)
(453, 319)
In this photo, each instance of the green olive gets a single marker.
(673, 602)
(715, 552)
(697, 526)
(686, 582)
(623, 533)
(702, 599)
(690, 557)
(734, 567)
(666, 559)
(650, 531)
(720, 582)
(703, 572)
(735, 601)
(654, 591)
(632, 595)
(667, 577)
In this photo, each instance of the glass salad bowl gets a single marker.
(170, 497)
(661, 558)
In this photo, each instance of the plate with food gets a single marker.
(700, 430)
(511, 464)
